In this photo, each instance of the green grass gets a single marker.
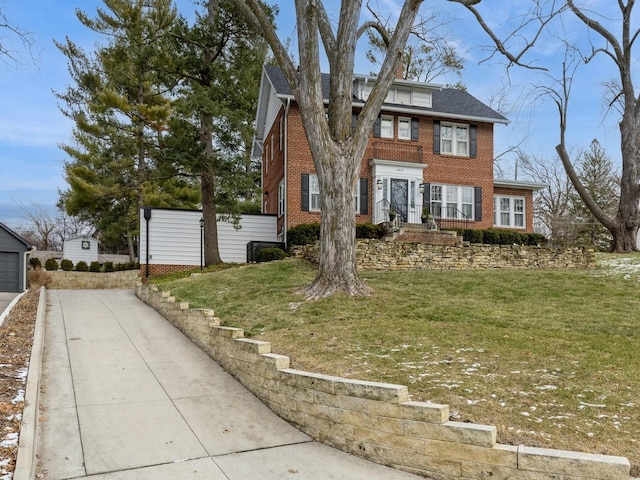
(551, 357)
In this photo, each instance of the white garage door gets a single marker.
(9, 273)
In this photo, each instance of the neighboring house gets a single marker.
(430, 147)
(13, 260)
(82, 248)
(171, 239)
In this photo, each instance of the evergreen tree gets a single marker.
(120, 106)
(218, 61)
(597, 174)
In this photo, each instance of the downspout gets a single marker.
(25, 276)
(285, 161)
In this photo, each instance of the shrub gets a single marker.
(35, 262)
(369, 230)
(94, 266)
(51, 264)
(108, 267)
(270, 254)
(38, 278)
(303, 234)
(308, 233)
(66, 265)
(82, 266)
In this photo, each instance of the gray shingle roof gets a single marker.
(447, 101)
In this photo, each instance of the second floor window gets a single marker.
(404, 128)
(386, 126)
(454, 139)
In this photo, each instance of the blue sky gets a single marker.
(32, 126)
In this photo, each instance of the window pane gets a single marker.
(386, 127)
(518, 219)
(403, 96)
(404, 128)
(467, 195)
(504, 219)
(462, 141)
(518, 205)
(467, 210)
(436, 193)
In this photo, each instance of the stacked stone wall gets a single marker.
(382, 255)
(61, 280)
(376, 421)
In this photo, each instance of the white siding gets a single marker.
(72, 249)
(174, 237)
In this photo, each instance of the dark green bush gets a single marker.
(493, 236)
(66, 265)
(270, 254)
(35, 262)
(369, 230)
(51, 264)
(308, 233)
(108, 267)
(94, 266)
(82, 266)
(303, 234)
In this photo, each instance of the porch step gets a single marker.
(422, 235)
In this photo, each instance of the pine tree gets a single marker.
(120, 106)
(218, 61)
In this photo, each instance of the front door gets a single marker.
(400, 197)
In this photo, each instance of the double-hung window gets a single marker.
(281, 198)
(404, 128)
(314, 193)
(386, 126)
(509, 211)
(454, 139)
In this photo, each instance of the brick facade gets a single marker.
(285, 141)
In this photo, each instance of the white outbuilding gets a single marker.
(83, 248)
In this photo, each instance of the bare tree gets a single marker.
(8, 32)
(616, 45)
(552, 204)
(40, 228)
(337, 149)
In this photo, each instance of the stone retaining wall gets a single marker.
(61, 280)
(373, 420)
(381, 255)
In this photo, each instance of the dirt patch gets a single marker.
(16, 338)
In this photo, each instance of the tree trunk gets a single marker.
(207, 188)
(337, 270)
(625, 230)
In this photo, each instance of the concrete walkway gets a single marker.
(126, 396)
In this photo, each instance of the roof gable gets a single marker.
(15, 236)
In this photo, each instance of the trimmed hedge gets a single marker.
(51, 264)
(66, 265)
(308, 233)
(82, 266)
(493, 236)
(35, 262)
(270, 254)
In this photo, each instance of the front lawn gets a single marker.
(551, 357)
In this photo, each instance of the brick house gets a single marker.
(430, 151)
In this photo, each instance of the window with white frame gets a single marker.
(403, 97)
(386, 126)
(281, 198)
(454, 139)
(452, 201)
(404, 128)
(314, 193)
(508, 211)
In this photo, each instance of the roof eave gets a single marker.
(523, 185)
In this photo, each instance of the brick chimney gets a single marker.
(400, 71)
